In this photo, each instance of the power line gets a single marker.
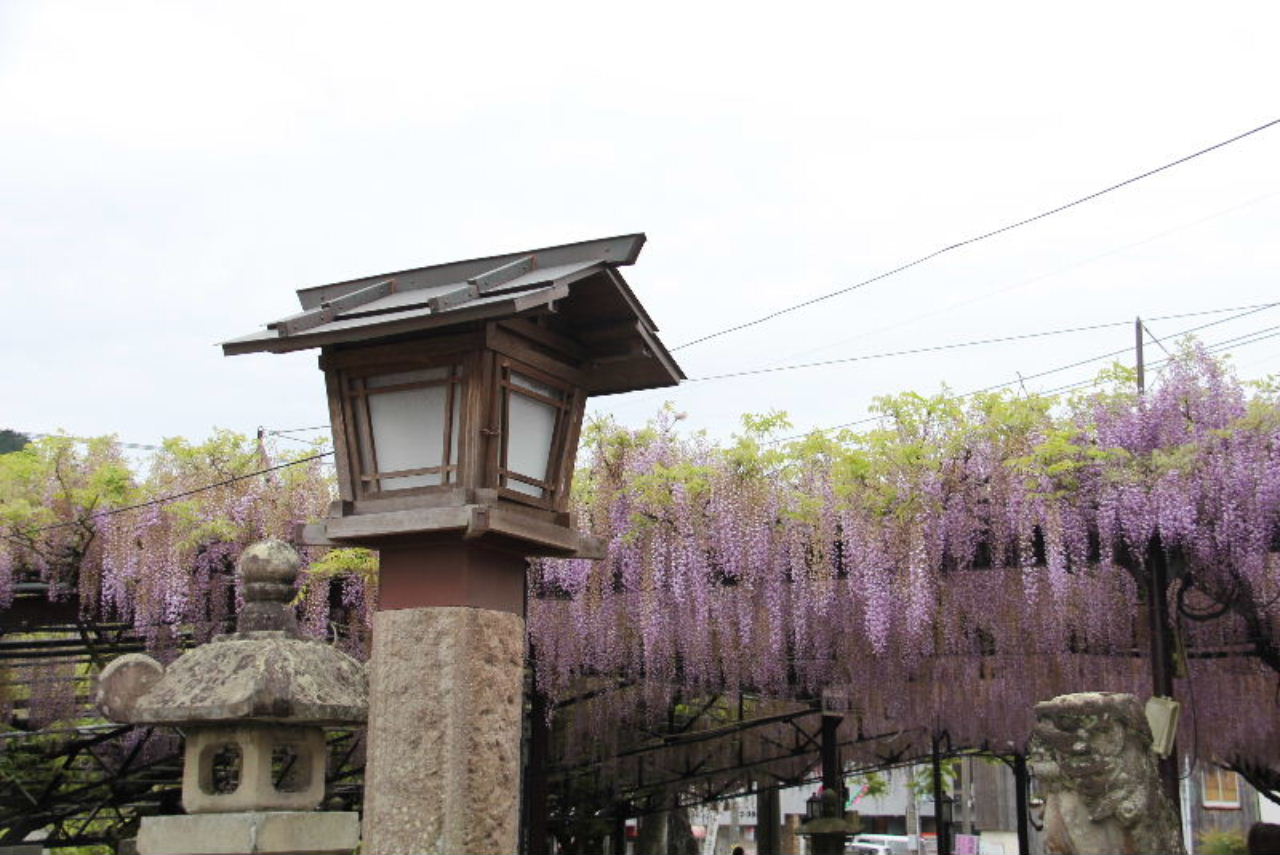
(307, 442)
(1024, 377)
(283, 434)
(1217, 347)
(960, 344)
(963, 344)
(976, 238)
(1242, 340)
(165, 499)
(1122, 350)
(1146, 330)
(1232, 344)
(1075, 265)
(886, 354)
(300, 429)
(1244, 311)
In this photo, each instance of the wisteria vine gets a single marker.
(943, 571)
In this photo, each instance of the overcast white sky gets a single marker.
(171, 172)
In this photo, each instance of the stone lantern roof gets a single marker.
(263, 672)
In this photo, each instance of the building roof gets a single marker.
(578, 281)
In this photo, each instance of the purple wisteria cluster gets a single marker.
(942, 571)
(165, 568)
(171, 565)
(945, 570)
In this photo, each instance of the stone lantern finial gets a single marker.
(267, 571)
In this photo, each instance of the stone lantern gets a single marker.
(456, 395)
(252, 706)
(828, 826)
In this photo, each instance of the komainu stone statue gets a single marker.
(1092, 754)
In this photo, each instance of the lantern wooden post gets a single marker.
(456, 395)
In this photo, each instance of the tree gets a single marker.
(11, 440)
(155, 550)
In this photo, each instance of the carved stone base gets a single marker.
(251, 833)
(446, 689)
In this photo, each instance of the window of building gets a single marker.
(1221, 788)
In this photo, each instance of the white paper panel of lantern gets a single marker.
(408, 426)
(531, 430)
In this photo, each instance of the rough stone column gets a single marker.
(446, 690)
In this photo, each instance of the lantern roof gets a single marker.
(580, 282)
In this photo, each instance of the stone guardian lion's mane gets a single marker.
(1091, 753)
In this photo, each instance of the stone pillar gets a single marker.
(446, 692)
(446, 686)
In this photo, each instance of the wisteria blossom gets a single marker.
(943, 570)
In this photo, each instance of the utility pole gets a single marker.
(942, 827)
(1137, 349)
(768, 821)
(832, 770)
(1158, 623)
(1022, 795)
(913, 812)
(1161, 654)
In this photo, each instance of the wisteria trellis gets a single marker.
(946, 569)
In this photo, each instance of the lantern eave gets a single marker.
(577, 286)
(361, 328)
(490, 523)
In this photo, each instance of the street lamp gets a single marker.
(946, 809)
(827, 825)
(813, 806)
(456, 395)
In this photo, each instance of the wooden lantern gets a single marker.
(456, 392)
